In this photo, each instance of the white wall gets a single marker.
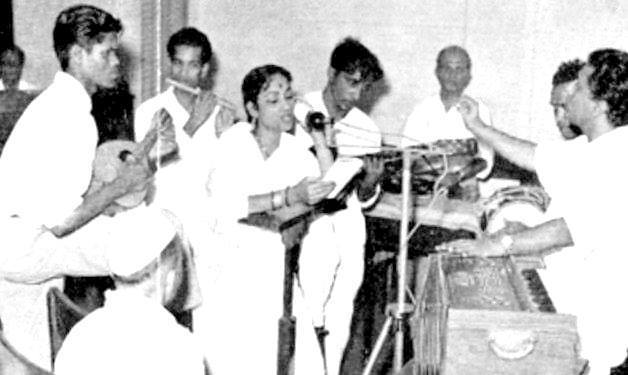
(33, 24)
(515, 45)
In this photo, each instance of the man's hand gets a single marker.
(224, 119)
(484, 246)
(204, 106)
(374, 170)
(166, 135)
(310, 190)
(469, 110)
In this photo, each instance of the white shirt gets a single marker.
(196, 152)
(355, 135)
(45, 168)
(586, 180)
(429, 122)
(22, 86)
(46, 164)
(242, 273)
(130, 334)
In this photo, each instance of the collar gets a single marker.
(73, 90)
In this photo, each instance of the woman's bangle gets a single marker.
(272, 200)
(277, 200)
(286, 194)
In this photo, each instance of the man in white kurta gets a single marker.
(41, 190)
(586, 278)
(436, 117)
(332, 263)
(46, 168)
(130, 334)
(242, 274)
(133, 333)
(180, 184)
(583, 179)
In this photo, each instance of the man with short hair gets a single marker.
(436, 118)
(198, 117)
(12, 61)
(563, 85)
(133, 333)
(52, 222)
(331, 265)
(584, 178)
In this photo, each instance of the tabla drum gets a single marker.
(523, 204)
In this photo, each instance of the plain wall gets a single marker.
(515, 45)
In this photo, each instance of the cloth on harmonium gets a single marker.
(489, 316)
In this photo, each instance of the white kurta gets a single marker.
(429, 122)
(45, 168)
(242, 274)
(586, 181)
(332, 254)
(130, 334)
(180, 186)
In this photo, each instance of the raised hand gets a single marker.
(310, 190)
(468, 108)
(224, 119)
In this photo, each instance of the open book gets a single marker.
(341, 172)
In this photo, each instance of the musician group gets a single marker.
(200, 172)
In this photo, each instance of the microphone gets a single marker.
(474, 167)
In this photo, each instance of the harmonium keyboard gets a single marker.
(488, 316)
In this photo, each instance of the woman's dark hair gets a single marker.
(257, 80)
(84, 25)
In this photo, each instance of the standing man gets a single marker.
(588, 188)
(51, 223)
(199, 118)
(563, 85)
(331, 264)
(436, 118)
(11, 65)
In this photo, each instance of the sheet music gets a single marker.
(341, 172)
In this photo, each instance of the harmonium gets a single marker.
(488, 316)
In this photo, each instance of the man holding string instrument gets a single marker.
(51, 225)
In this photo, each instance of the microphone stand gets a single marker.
(401, 309)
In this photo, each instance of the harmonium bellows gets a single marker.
(488, 316)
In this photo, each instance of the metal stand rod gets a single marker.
(378, 346)
(401, 260)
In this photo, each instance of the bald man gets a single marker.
(436, 117)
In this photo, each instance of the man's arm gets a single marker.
(204, 106)
(531, 241)
(133, 176)
(516, 150)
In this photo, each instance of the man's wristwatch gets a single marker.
(506, 241)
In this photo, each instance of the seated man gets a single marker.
(51, 224)
(435, 118)
(133, 333)
(583, 176)
(11, 65)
